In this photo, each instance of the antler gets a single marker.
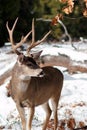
(23, 39)
(33, 44)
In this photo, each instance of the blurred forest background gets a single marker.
(76, 23)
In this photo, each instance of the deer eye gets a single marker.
(29, 64)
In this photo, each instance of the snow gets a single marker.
(66, 50)
(73, 54)
(7, 62)
(6, 104)
(73, 101)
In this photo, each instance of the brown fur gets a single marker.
(36, 91)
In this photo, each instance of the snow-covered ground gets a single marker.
(73, 101)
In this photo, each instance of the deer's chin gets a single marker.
(25, 78)
(41, 74)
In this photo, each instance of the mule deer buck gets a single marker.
(31, 85)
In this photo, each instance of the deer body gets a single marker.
(31, 85)
(37, 90)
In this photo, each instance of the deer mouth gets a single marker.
(41, 74)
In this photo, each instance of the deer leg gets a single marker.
(22, 115)
(30, 118)
(54, 109)
(48, 114)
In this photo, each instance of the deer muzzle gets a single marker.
(41, 74)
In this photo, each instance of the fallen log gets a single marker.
(64, 61)
(50, 60)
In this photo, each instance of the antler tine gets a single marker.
(33, 32)
(38, 42)
(22, 40)
(10, 31)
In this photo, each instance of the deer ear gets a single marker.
(36, 55)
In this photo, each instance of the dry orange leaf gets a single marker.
(59, 16)
(62, 125)
(71, 123)
(70, 3)
(85, 0)
(85, 12)
(68, 9)
(51, 124)
(86, 4)
(81, 124)
(55, 20)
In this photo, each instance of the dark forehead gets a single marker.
(30, 59)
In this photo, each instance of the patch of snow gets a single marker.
(73, 101)
(73, 54)
(7, 62)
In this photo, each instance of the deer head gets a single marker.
(26, 62)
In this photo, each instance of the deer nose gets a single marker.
(41, 74)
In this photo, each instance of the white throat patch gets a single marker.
(25, 78)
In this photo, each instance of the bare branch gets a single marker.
(62, 24)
